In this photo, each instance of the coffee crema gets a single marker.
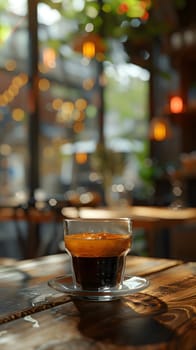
(99, 244)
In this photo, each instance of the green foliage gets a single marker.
(106, 161)
(109, 22)
(146, 169)
(130, 95)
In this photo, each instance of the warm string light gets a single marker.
(18, 82)
(69, 112)
(13, 89)
(44, 84)
(81, 158)
(18, 114)
(49, 57)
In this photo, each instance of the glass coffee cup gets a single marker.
(98, 249)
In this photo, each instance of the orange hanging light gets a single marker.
(90, 45)
(176, 104)
(88, 49)
(160, 129)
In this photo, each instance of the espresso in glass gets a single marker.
(98, 249)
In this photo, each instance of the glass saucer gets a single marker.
(130, 285)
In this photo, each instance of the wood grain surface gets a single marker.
(28, 292)
(163, 316)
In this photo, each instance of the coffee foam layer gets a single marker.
(99, 244)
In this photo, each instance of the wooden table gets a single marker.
(36, 317)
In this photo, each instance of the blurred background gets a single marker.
(97, 108)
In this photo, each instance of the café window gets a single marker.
(70, 89)
(13, 97)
